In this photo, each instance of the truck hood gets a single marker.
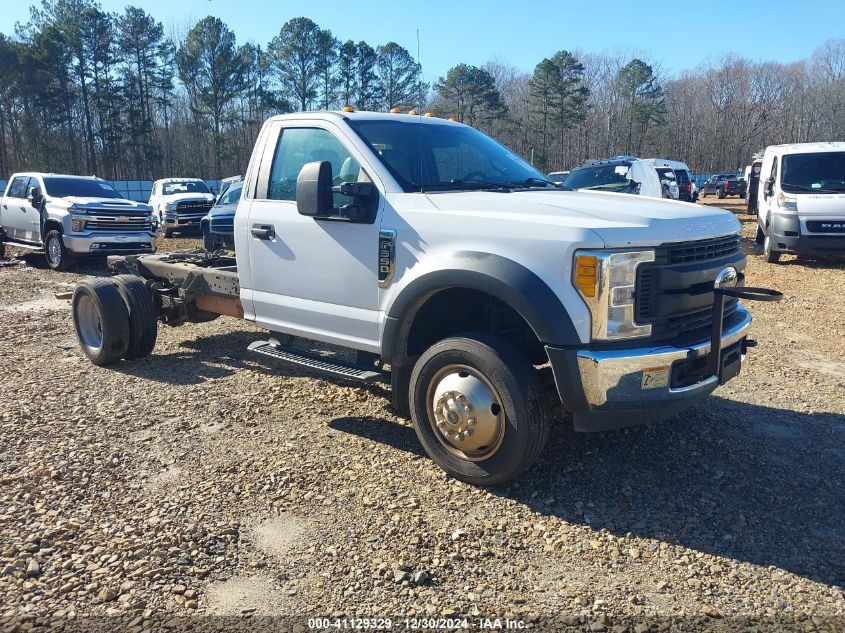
(618, 219)
(821, 204)
(105, 204)
(182, 197)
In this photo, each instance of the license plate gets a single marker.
(654, 377)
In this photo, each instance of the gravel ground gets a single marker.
(205, 482)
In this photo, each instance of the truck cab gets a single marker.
(801, 200)
(71, 218)
(455, 271)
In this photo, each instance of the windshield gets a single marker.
(434, 157)
(185, 186)
(819, 172)
(608, 177)
(65, 187)
(231, 195)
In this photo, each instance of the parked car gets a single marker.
(621, 174)
(801, 200)
(69, 218)
(180, 204)
(218, 227)
(558, 177)
(683, 177)
(723, 185)
(452, 292)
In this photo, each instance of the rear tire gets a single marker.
(143, 317)
(58, 257)
(101, 320)
(760, 238)
(2, 249)
(478, 408)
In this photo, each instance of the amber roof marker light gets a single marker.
(348, 108)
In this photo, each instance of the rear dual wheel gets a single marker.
(478, 408)
(114, 318)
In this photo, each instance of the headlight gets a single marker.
(606, 281)
(788, 203)
(170, 206)
(77, 224)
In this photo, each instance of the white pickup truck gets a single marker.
(461, 276)
(72, 217)
(180, 204)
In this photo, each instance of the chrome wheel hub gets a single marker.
(54, 250)
(466, 412)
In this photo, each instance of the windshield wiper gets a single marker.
(528, 182)
(479, 184)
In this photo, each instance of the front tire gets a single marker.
(769, 254)
(101, 321)
(58, 257)
(478, 408)
(721, 194)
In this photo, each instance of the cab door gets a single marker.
(767, 204)
(18, 213)
(310, 277)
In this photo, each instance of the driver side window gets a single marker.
(298, 146)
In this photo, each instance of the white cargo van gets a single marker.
(801, 200)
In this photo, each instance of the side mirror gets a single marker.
(314, 189)
(769, 187)
(33, 195)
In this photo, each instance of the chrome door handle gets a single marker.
(263, 231)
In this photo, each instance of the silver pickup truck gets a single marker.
(72, 217)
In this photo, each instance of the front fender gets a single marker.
(495, 275)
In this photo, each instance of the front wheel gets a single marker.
(721, 194)
(58, 257)
(478, 408)
(769, 254)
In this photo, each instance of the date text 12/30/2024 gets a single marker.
(416, 624)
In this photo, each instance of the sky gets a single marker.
(676, 34)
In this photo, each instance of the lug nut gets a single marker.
(469, 432)
(472, 421)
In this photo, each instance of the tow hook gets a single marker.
(714, 362)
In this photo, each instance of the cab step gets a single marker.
(297, 357)
(26, 245)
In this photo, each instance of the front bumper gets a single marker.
(97, 244)
(612, 388)
(790, 235)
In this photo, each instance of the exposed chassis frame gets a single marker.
(189, 286)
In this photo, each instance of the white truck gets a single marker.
(801, 200)
(71, 218)
(180, 204)
(463, 277)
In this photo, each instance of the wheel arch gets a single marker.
(509, 282)
(48, 224)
